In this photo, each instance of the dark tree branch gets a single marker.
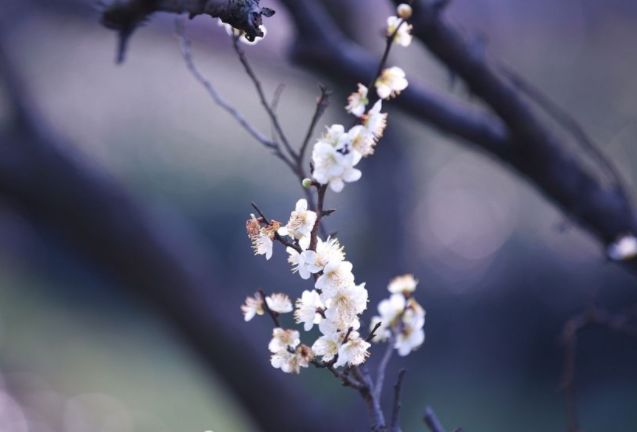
(534, 150)
(124, 16)
(514, 135)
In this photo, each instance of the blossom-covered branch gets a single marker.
(336, 302)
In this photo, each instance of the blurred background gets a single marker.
(501, 270)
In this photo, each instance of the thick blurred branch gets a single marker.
(100, 222)
(514, 134)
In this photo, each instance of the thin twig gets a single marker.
(262, 98)
(321, 189)
(372, 333)
(186, 52)
(431, 420)
(321, 105)
(389, 42)
(394, 425)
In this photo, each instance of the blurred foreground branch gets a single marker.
(100, 222)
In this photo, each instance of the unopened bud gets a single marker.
(307, 183)
(404, 11)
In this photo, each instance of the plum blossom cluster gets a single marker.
(334, 305)
(336, 301)
(337, 153)
(401, 318)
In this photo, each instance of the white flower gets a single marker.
(333, 159)
(403, 284)
(328, 251)
(335, 275)
(376, 121)
(304, 262)
(326, 346)
(363, 142)
(346, 304)
(261, 237)
(307, 309)
(410, 336)
(391, 308)
(403, 35)
(292, 362)
(301, 222)
(279, 303)
(391, 82)
(286, 361)
(282, 339)
(357, 101)
(334, 166)
(624, 248)
(252, 306)
(304, 355)
(353, 352)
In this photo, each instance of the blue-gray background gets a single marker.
(499, 273)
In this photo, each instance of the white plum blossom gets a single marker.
(286, 361)
(326, 347)
(403, 35)
(410, 333)
(300, 224)
(376, 121)
(304, 262)
(261, 237)
(252, 306)
(409, 338)
(283, 339)
(307, 308)
(328, 251)
(400, 316)
(623, 249)
(279, 303)
(363, 141)
(353, 352)
(334, 165)
(391, 82)
(346, 304)
(357, 101)
(335, 275)
(403, 284)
